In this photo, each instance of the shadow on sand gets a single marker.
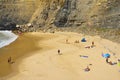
(23, 46)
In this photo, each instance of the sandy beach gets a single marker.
(36, 58)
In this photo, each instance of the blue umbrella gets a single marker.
(83, 40)
(106, 55)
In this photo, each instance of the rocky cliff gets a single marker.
(23, 11)
(86, 16)
(100, 13)
(81, 13)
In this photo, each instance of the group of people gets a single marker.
(76, 41)
(92, 45)
(87, 69)
(112, 63)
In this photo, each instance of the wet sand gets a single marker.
(24, 45)
(36, 58)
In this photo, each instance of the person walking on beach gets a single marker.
(59, 52)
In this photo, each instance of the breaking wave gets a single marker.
(7, 37)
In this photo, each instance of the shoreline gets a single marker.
(13, 50)
(25, 43)
(6, 38)
(42, 47)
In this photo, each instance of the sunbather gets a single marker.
(87, 69)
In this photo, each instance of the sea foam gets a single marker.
(7, 37)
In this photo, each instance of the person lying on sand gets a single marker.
(107, 60)
(84, 56)
(110, 63)
(87, 69)
(87, 47)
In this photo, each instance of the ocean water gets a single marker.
(7, 37)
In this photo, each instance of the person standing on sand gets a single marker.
(92, 44)
(66, 40)
(10, 60)
(59, 52)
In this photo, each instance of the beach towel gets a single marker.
(83, 56)
(118, 64)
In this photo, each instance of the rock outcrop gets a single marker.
(105, 13)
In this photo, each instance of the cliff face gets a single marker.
(79, 13)
(21, 11)
(98, 13)
(106, 13)
(61, 13)
(18, 11)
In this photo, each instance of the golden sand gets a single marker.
(36, 58)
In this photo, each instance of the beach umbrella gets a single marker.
(106, 55)
(83, 40)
